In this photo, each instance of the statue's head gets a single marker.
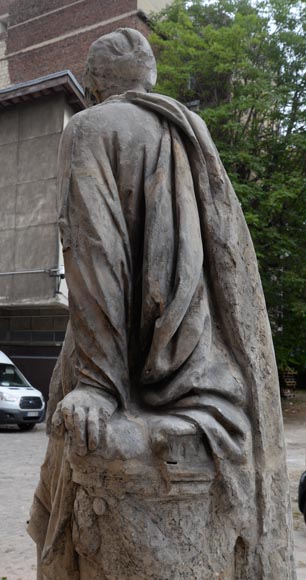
(117, 62)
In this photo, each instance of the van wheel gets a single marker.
(26, 426)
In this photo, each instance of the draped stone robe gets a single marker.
(166, 305)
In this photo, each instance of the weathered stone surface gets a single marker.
(44, 208)
(29, 139)
(166, 457)
(8, 164)
(8, 198)
(9, 127)
(44, 151)
(45, 118)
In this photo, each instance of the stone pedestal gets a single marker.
(142, 506)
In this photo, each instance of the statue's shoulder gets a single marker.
(112, 111)
(84, 117)
(115, 117)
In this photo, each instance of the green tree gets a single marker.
(244, 64)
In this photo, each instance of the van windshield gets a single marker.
(11, 377)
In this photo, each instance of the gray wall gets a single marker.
(29, 139)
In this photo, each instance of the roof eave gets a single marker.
(62, 81)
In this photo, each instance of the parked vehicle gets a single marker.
(20, 403)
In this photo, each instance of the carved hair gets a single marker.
(123, 58)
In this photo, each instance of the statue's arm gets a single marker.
(93, 307)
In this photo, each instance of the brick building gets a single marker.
(39, 41)
(40, 37)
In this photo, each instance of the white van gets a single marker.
(20, 403)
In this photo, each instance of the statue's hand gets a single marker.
(84, 413)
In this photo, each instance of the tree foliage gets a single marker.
(245, 64)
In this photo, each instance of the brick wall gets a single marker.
(23, 10)
(46, 36)
(66, 53)
(73, 17)
(4, 6)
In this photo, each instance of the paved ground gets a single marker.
(22, 453)
(294, 412)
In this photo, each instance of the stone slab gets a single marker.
(44, 117)
(44, 151)
(8, 204)
(8, 164)
(36, 203)
(9, 121)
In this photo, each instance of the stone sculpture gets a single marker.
(166, 456)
